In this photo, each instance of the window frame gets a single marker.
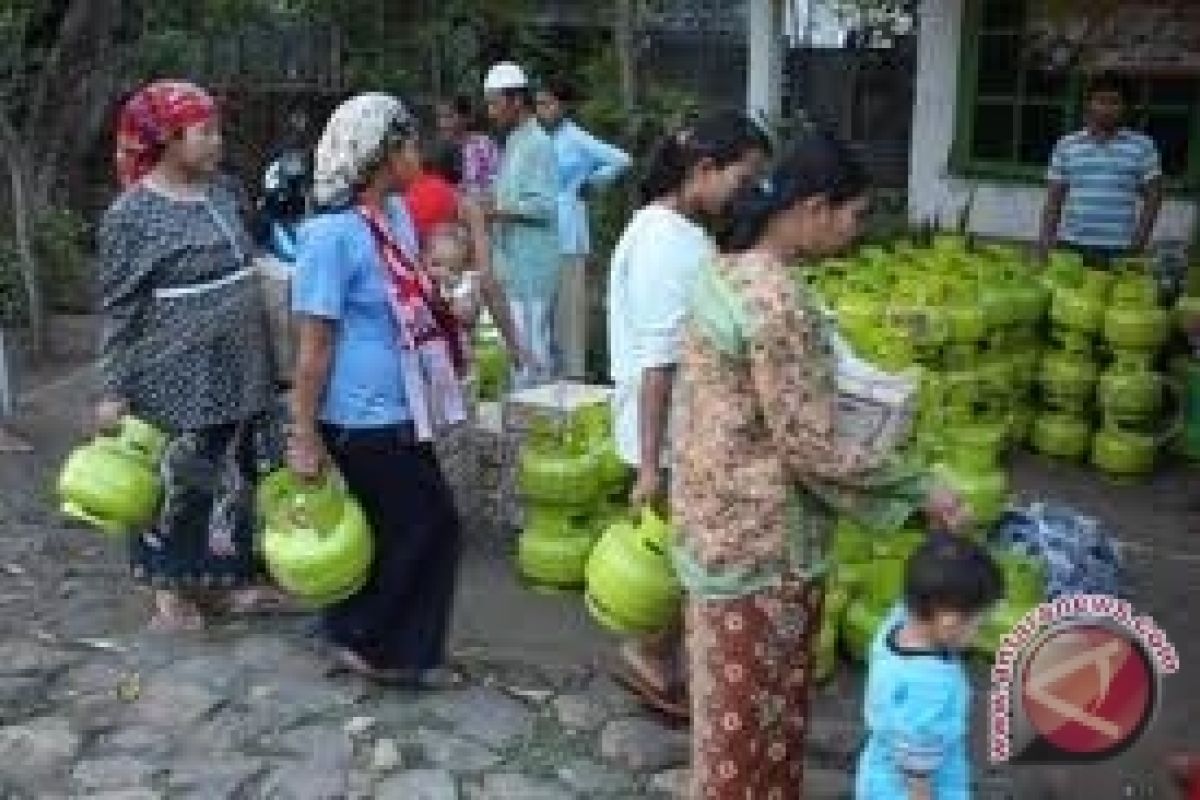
(1005, 172)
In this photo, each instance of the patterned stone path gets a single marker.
(92, 707)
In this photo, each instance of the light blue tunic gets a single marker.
(917, 708)
(583, 160)
(339, 277)
(526, 253)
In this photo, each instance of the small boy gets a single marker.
(918, 695)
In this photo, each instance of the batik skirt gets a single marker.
(204, 536)
(750, 661)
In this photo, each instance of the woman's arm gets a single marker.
(608, 160)
(654, 405)
(473, 216)
(798, 397)
(313, 360)
(318, 300)
(124, 274)
(795, 389)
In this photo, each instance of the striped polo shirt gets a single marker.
(1103, 179)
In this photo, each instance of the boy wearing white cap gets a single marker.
(524, 217)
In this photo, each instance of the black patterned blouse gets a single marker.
(185, 337)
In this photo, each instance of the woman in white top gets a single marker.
(694, 172)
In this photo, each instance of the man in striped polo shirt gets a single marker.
(1096, 178)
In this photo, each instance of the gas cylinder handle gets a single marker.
(651, 524)
(1174, 391)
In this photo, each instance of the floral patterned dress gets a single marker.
(759, 476)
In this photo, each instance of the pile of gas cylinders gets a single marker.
(1065, 360)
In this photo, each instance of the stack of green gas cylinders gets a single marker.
(572, 483)
(1103, 397)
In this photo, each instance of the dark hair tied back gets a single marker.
(724, 137)
(815, 165)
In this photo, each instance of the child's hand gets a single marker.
(946, 510)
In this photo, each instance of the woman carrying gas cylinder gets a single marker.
(185, 348)
(760, 472)
(379, 370)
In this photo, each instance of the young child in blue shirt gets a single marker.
(918, 696)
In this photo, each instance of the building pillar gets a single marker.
(765, 42)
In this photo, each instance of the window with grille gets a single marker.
(1015, 100)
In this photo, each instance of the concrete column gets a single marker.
(764, 90)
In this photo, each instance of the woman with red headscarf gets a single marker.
(185, 348)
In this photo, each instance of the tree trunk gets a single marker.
(625, 36)
(625, 33)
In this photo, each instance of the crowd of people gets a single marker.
(724, 396)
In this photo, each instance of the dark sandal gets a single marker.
(261, 602)
(346, 660)
(437, 679)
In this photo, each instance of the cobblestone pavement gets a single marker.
(92, 706)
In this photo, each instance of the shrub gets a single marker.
(61, 245)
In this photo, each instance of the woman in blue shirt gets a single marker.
(584, 164)
(373, 379)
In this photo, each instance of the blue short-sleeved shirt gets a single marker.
(917, 707)
(339, 277)
(1103, 179)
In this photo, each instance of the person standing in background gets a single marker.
(584, 163)
(523, 214)
(457, 124)
(1096, 178)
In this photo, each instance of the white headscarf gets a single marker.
(354, 142)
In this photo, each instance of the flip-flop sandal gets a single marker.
(259, 602)
(672, 704)
(346, 661)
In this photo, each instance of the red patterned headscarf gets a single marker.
(150, 118)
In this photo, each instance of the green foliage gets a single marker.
(60, 240)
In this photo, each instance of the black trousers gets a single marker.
(401, 617)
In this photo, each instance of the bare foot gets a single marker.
(175, 614)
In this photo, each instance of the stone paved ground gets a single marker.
(90, 706)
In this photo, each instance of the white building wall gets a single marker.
(998, 210)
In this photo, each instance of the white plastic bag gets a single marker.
(875, 408)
